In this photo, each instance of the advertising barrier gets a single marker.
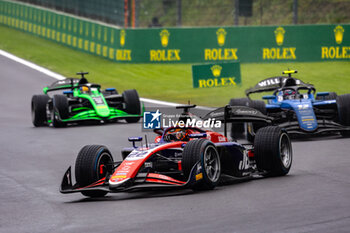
(183, 45)
(216, 75)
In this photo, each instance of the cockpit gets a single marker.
(178, 134)
(289, 94)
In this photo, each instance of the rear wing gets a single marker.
(68, 83)
(274, 83)
(237, 114)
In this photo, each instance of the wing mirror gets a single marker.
(269, 97)
(134, 139)
(322, 94)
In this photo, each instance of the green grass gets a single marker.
(170, 82)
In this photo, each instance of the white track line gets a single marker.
(60, 77)
(32, 65)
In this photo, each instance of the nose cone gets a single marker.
(116, 181)
(125, 171)
(103, 111)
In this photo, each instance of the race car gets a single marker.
(296, 107)
(183, 157)
(82, 101)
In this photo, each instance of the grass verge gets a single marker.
(170, 82)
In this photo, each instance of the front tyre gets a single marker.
(38, 107)
(273, 151)
(91, 166)
(132, 105)
(59, 110)
(204, 151)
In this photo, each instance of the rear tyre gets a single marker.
(343, 103)
(38, 105)
(330, 96)
(132, 105)
(59, 110)
(204, 151)
(91, 166)
(273, 151)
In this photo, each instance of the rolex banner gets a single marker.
(182, 45)
(216, 75)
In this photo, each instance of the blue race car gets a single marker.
(296, 107)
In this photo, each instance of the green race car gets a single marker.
(82, 101)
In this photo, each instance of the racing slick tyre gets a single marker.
(39, 103)
(132, 105)
(343, 103)
(59, 110)
(204, 151)
(330, 96)
(237, 129)
(91, 166)
(273, 151)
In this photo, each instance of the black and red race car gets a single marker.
(183, 157)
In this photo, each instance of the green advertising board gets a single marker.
(216, 75)
(183, 45)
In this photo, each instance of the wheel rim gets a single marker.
(285, 150)
(212, 163)
(101, 170)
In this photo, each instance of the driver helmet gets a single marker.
(182, 135)
(84, 89)
(178, 135)
(289, 94)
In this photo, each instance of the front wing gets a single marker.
(324, 126)
(140, 181)
(90, 115)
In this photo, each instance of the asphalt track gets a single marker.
(314, 197)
